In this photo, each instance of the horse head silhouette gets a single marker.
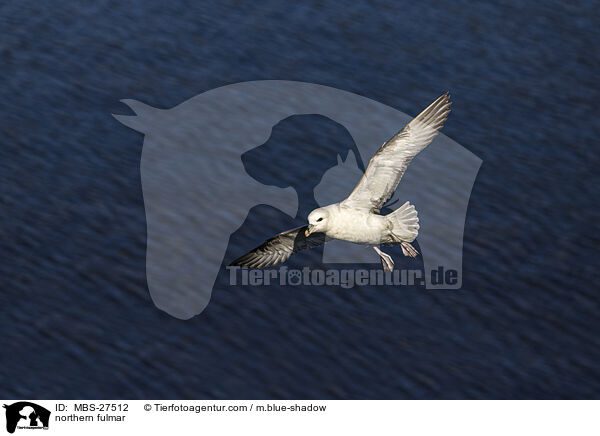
(197, 190)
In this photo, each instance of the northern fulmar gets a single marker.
(357, 219)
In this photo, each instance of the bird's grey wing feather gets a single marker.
(279, 248)
(388, 165)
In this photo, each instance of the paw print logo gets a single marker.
(294, 277)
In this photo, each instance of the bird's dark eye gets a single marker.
(319, 219)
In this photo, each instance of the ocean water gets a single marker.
(77, 319)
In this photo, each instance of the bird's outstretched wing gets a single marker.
(279, 248)
(388, 165)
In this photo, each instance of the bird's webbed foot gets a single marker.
(386, 260)
(407, 248)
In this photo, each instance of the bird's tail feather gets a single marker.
(405, 221)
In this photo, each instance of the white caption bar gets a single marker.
(159, 417)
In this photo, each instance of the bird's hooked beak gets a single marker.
(309, 230)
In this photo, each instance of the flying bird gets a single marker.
(357, 218)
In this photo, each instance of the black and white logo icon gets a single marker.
(26, 415)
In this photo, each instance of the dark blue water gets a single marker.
(76, 317)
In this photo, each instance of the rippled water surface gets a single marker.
(76, 317)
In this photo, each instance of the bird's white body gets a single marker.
(363, 226)
(355, 225)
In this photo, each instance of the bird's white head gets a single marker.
(318, 221)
